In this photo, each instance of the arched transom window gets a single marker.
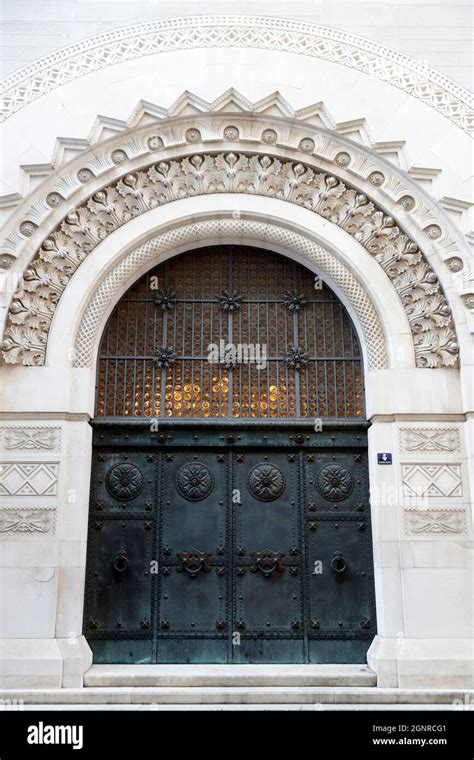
(230, 331)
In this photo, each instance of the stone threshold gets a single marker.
(238, 695)
(250, 676)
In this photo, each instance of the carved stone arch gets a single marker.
(252, 231)
(261, 32)
(265, 174)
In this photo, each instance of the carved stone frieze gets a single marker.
(84, 227)
(28, 478)
(23, 520)
(432, 439)
(30, 438)
(286, 35)
(434, 521)
(432, 480)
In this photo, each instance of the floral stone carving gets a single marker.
(32, 309)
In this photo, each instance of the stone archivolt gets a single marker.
(282, 34)
(83, 228)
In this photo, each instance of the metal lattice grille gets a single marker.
(230, 331)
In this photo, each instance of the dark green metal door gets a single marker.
(246, 543)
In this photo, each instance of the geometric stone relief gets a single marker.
(434, 521)
(432, 480)
(28, 479)
(429, 439)
(25, 520)
(31, 438)
(34, 303)
(285, 35)
(243, 229)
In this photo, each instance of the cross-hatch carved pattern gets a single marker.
(284, 35)
(33, 306)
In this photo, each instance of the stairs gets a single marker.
(223, 686)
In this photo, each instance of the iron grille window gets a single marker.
(230, 331)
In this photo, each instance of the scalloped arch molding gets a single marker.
(135, 192)
(281, 34)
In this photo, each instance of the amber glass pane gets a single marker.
(264, 305)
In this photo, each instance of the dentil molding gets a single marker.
(84, 227)
(267, 33)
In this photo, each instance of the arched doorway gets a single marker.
(229, 517)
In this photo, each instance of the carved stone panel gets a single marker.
(23, 520)
(83, 228)
(30, 438)
(29, 478)
(434, 521)
(432, 480)
(429, 439)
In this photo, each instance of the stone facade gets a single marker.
(155, 166)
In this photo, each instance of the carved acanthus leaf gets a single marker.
(135, 193)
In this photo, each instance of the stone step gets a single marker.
(238, 695)
(229, 675)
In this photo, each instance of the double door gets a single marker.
(218, 546)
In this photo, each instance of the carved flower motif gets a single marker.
(231, 133)
(269, 136)
(307, 145)
(155, 143)
(194, 481)
(193, 136)
(27, 228)
(54, 199)
(343, 159)
(124, 481)
(294, 301)
(376, 178)
(118, 156)
(296, 357)
(85, 175)
(455, 264)
(266, 482)
(407, 202)
(334, 482)
(165, 299)
(230, 300)
(164, 357)
(433, 231)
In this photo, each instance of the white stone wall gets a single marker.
(425, 417)
(438, 33)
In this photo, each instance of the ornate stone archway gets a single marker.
(96, 189)
(137, 192)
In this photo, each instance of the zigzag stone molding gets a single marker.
(280, 34)
(83, 228)
(242, 229)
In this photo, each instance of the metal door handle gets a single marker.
(121, 561)
(267, 561)
(193, 562)
(339, 565)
